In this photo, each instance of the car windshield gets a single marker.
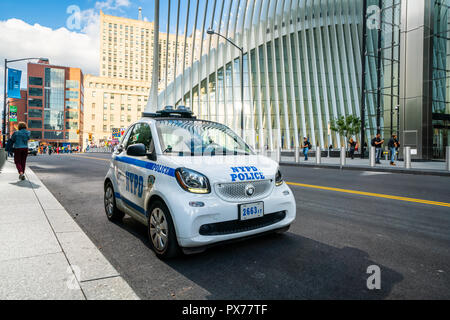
(197, 137)
(32, 144)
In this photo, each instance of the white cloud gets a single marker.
(72, 48)
(61, 46)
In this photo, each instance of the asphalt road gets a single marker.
(325, 254)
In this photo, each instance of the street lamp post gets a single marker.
(241, 67)
(4, 92)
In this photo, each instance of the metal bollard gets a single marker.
(318, 155)
(279, 155)
(447, 149)
(296, 155)
(342, 156)
(372, 156)
(407, 157)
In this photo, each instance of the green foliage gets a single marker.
(346, 126)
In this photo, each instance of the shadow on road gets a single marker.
(275, 266)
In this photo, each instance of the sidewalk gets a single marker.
(44, 254)
(419, 167)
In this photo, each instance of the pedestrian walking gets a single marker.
(393, 146)
(352, 144)
(20, 139)
(306, 146)
(377, 142)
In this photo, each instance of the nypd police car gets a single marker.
(194, 183)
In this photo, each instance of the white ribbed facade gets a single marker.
(302, 68)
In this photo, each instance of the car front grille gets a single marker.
(236, 191)
(235, 226)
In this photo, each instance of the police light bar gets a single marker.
(170, 111)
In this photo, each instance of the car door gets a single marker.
(119, 164)
(136, 169)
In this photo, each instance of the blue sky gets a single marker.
(52, 13)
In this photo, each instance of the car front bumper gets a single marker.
(218, 220)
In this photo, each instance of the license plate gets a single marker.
(251, 210)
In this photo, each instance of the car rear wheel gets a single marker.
(112, 212)
(161, 231)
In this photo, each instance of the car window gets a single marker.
(141, 134)
(126, 136)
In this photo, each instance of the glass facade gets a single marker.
(441, 77)
(54, 100)
(302, 69)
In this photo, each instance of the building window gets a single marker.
(35, 124)
(72, 115)
(105, 128)
(111, 117)
(94, 93)
(34, 113)
(105, 106)
(93, 116)
(105, 117)
(72, 94)
(71, 125)
(35, 81)
(72, 84)
(93, 106)
(53, 135)
(72, 104)
(35, 92)
(36, 135)
(35, 102)
(129, 107)
(111, 106)
(92, 128)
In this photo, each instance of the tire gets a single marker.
(161, 231)
(112, 212)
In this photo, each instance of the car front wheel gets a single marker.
(161, 231)
(112, 212)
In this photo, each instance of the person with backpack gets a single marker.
(20, 139)
(393, 145)
(377, 142)
(306, 146)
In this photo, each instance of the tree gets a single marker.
(346, 126)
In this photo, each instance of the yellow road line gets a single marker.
(370, 194)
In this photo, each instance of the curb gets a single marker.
(90, 273)
(361, 168)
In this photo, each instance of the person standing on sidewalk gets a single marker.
(20, 139)
(352, 144)
(393, 145)
(306, 146)
(377, 142)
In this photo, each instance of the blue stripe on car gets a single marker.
(147, 165)
(131, 204)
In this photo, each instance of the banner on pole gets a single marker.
(12, 113)
(14, 83)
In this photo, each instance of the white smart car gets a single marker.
(194, 183)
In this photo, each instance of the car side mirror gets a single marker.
(137, 150)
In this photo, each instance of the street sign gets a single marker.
(12, 113)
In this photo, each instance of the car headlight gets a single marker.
(278, 178)
(192, 181)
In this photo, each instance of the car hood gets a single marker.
(222, 169)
